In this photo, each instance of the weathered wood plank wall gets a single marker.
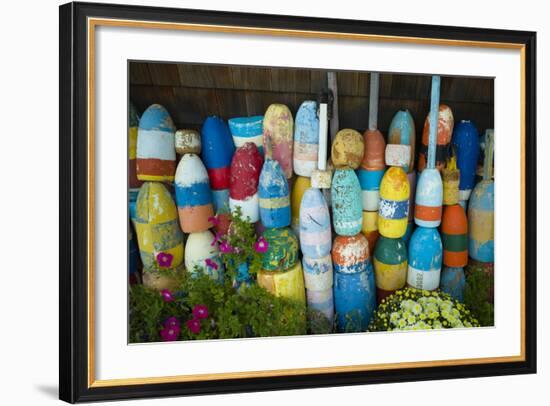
(191, 92)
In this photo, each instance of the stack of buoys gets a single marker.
(247, 129)
(425, 247)
(281, 272)
(315, 229)
(481, 211)
(466, 142)
(217, 152)
(354, 290)
(402, 131)
(390, 254)
(454, 230)
(278, 136)
(445, 124)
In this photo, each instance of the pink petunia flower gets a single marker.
(167, 295)
(194, 325)
(172, 322)
(261, 245)
(217, 239)
(225, 248)
(210, 263)
(170, 333)
(164, 259)
(200, 311)
(214, 220)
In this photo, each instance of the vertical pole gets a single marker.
(334, 124)
(323, 135)
(434, 120)
(488, 161)
(373, 100)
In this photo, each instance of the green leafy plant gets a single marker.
(479, 284)
(415, 309)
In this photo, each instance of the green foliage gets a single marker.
(479, 284)
(318, 323)
(416, 309)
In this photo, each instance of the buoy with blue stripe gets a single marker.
(453, 282)
(346, 202)
(193, 195)
(466, 141)
(481, 221)
(244, 178)
(133, 124)
(274, 195)
(247, 129)
(217, 152)
(390, 266)
(402, 131)
(444, 130)
(306, 139)
(425, 259)
(157, 230)
(318, 279)
(429, 189)
(202, 255)
(156, 151)
(278, 127)
(354, 285)
(393, 212)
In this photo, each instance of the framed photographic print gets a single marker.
(255, 202)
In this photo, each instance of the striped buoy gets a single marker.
(347, 149)
(156, 225)
(299, 187)
(481, 221)
(188, 142)
(217, 152)
(306, 139)
(393, 212)
(466, 141)
(450, 177)
(247, 129)
(133, 123)
(246, 166)
(425, 257)
(156, 151)
(193, 195)
(282, 249)
(315, 228)
(278, 128)
(444, 134)
(454, 233)
(202, 255)
(370, 229)
(390, 266)
(346, 202)
(402, 131)
(274, 195)
(453, 282)
(288, 284)
(354, 286)
(318, 279)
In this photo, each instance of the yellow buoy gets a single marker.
(288, 284)
(393, 211)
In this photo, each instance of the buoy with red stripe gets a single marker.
(246, 166)
(278, 127)
(217, 152)
(354, 286)
(156, 151)
(454, 233)
(445, 125)
(306, 139)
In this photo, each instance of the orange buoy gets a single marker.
(454, 233)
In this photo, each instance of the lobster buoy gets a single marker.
(133, 123)
(347, 149)
(247, 129)
(453, 282)
(156, 151)
(246, 166)
(282, 249)
(315, 228)
(306, 139)
(425, 257)
(318, 279)
(393, 212)
(402, 131)
(299, 187)
(429, 199)
(156, 225)
(466, 141)
(288, 284)
(202, 255)
(274, 196)
(193, 195)
(346, 202)
(454, 233)
(188, 142)
(390, 266)
(217, 152)
(370, 229)
(444, 134)
(354, 286)
(372, 169)
(278, 132)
